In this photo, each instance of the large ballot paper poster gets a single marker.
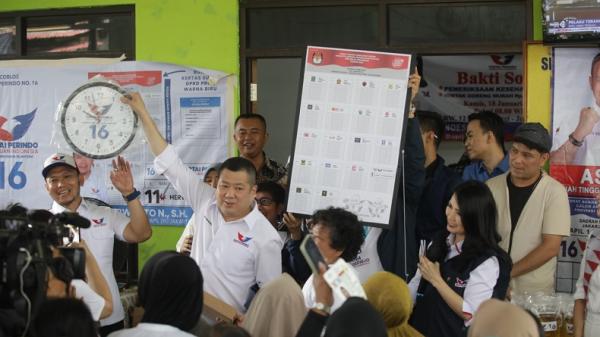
(192, 107)
(349, 133)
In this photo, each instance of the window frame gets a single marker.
(249, 55)
(20, 18)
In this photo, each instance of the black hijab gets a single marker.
(356, 318)
(170, 290)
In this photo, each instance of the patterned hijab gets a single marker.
(390, 296)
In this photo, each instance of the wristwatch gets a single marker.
(132, 196)
(574, 141)
(322, 307)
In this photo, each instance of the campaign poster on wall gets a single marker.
(575, 154)
(192, 107)
(457, 86)
(349, 133)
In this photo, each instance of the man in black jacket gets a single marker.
(394, 249)
(440, 181)
(397, 246)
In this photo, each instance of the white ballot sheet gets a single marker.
(349, 132)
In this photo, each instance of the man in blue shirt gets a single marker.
(484, 143)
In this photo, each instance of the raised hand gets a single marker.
(121, 176)
(135, 101)
(414, 81)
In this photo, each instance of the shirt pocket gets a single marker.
(240, 259)
(102, 243)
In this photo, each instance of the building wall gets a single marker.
(200, 33)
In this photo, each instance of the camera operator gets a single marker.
(62, 181)
(93, 290)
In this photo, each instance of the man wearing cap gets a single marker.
(62, 181)
(533, 211)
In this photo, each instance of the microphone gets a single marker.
(70, 218)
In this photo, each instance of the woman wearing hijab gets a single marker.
(463, 267)
(514, 322)
(170, 291)
(390, 296)
(277, 310)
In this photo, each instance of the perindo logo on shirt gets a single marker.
(242, 240)
(360, 261)
(460, 283)
(98, 222)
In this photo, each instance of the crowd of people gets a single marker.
(462, 242)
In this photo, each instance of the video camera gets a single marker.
(26, 238)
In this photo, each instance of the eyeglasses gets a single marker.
(265, 201)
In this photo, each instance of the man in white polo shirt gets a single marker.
(235, 246)
(62, 181)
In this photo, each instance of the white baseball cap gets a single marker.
(58, 159)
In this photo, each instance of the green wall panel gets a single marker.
(199, 33)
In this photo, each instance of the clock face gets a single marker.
(96, 123)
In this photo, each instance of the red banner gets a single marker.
(143, 78)
(580, 181)
(348, 58)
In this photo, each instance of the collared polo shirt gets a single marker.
(234, 255)
(106, 223)
(477, 171)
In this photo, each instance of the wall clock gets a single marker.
(96, 123)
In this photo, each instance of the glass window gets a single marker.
(8, 33)
(66, 34)
(301, 26)
(467, 23)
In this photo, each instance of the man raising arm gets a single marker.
(63, 181)
(234, 244)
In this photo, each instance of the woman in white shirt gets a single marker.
(462, 267)
(338, 234)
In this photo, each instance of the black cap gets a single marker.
(535, 136)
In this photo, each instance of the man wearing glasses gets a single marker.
(270, 197)
(582, 143)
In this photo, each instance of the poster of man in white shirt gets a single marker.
(576, 105)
